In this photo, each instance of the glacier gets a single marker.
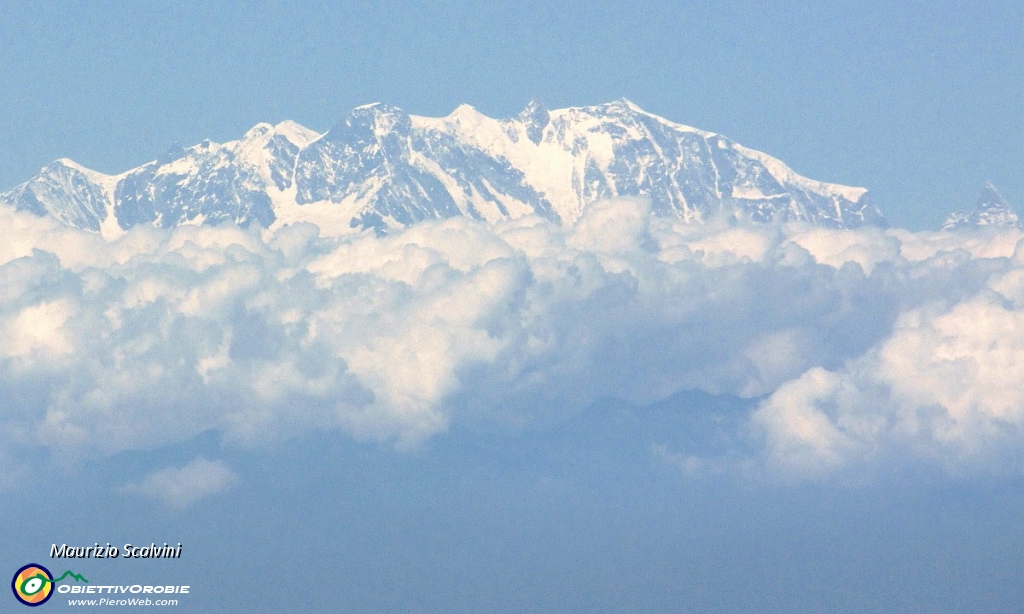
(381, 169)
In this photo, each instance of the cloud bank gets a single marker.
(180, 487)
(873, 349)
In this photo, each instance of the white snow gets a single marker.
(296, 133)
(575, 139)
(786, 175)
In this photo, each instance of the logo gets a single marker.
(33, 584)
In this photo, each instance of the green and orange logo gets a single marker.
(33, 584)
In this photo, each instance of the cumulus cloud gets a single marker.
(871, 347)
(944, 389)
(180, 487)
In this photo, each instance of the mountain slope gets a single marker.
(381, 168)
(991, 209)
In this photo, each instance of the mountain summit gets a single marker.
(991, 209)
(383, 169)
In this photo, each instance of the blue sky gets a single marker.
(625, 414)
(920, 102)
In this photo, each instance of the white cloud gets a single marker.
(875, 346)
(38, 328)
(944, 390)
(180, 487)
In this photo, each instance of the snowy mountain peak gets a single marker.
(379, 118)
(381, 168)
(68, 163)
(532, 109)
(64, 190)
(259, 130)
(627, 105)
(296, 133)
(464, 110)
(991, 209)
(990, 199)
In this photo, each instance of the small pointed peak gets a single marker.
(991, 201)
(990, 188)
(464, 111)
(259, 130)
(533, 110)
(626, 103)
(534, 106)
(991, 209)
(621, 107)
(296, 132)
(65, 162)
(62, 165)
(377, 118)
(288, 125)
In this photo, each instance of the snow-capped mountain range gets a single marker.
(382, 169)
(991, 209)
